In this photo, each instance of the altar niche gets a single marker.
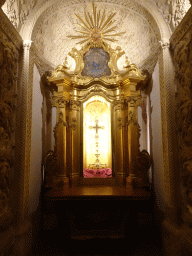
(97, 121)
(97, 152)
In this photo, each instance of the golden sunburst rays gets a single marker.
(96, 27)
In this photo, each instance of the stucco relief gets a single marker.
(25, 7)
(8, 73)
(10, 8)
(18, 11)
(173, 10)
(51, 31)
(183, 63)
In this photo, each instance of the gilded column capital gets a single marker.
(133, 100)
(118, 104)
(59, 101)
(74, 103)
(164, 44)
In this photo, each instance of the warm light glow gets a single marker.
(96, 113)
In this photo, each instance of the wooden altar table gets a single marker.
(97, 211)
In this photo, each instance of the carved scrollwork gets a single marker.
(132, 68)
(8, 73)
(59, 101)
(182, 56)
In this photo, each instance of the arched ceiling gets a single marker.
(140, 41)
(48, 23)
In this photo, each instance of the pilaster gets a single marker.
(133, 133)
(25, 131)
(118, 156)
(60, 139)
(73, 134)
(168, 129)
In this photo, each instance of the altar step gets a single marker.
(101, 182)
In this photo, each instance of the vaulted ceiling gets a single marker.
(145, 22)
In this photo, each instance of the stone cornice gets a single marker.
(9, 30)
(182, 29)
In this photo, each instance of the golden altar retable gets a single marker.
(122, 89)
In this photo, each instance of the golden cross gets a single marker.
(96, 127)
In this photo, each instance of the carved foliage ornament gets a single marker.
(18, 11)
(173, 10)
(183, 64)
(8, 73)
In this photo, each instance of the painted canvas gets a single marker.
(96, 63)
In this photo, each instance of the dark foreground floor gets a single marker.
(53, 243)
(97, 226)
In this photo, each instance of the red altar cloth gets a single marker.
(100, 173)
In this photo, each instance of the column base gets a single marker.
(137, 182)
(60, 182)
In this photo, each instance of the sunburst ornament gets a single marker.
(96, 28)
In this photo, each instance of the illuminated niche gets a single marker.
(97, 133)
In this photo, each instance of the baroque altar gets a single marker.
(97, 124)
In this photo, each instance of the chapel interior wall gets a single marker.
(35, 179)
(156, 139)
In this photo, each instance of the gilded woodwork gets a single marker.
(122, 89)
(96, 28)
